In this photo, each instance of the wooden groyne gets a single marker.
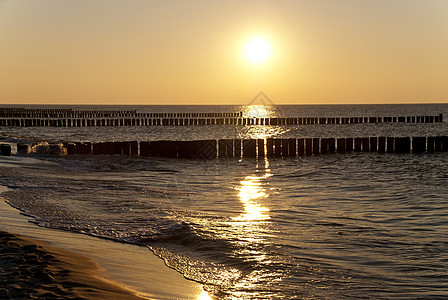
(21, 117)
(246, 148)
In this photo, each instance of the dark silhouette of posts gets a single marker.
(285, 148)
(373, 144)
(358, 144)
(144, 149)
(23, 148)
(98, 148)
(316, 149)
(167, 149)
(154, 148)
(402, 145)
(324, 146)
(438, 144)
(237, 144)
(331, 145)
(308, 146)
(341, 145)
(292, 148)
(349, 144)
(184, 149)
(382, 144)
(134, 148)
(444, 143)
(126, 148)
(390, 145)
(260, 148)
(418, 144)
(225, 148)
(249, 148)
(365, 144)
(270, 148)
(5, 149)
(301, 147)
(206, 149)
(431, 147)
(278, 147)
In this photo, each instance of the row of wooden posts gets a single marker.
(28, 122)
(24, 113)
(237, 148)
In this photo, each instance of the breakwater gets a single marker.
(22, 117)
(240, 148)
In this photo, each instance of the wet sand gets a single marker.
(38, 263)
(30, 269)
(109, 268)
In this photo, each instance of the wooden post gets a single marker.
(285, 147)
(308, 146)
(278, 147)
(71, 148)
(365, 145)
(154, 148)
(225, 148)
(270, 148)
(373, 144)
(341, 145)
(167, 149)
(125, 148)
(144, 149)
(184, 149)
(260, 148)
(292, 148)
(438, 144)
(134, 148)
(382, 144)
(331, 145)
(118, 148)
(5, 149)
(324, 146)
(249, 148)
(358, 143)
(97, 148)
(300, 147)
(316, 145)
(418, 144)
(207, 149)
(390, 144)
(237, 144)
(402, 145)
(431, 147)
(349, 144)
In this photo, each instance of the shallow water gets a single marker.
(338, 226)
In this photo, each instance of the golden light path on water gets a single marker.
(250, 224)
(258, 131)
(250, 194)
(204, 296)
(258, 111)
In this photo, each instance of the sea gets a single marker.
(339, 226)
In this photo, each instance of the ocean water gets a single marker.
(341, 226)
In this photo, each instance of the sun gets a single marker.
(258, 50)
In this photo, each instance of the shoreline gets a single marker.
(36, 270)
(130, 269)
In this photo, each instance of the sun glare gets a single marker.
(258, 50)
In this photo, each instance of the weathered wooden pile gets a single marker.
(22, 117)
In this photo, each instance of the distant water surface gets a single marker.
(343, 226)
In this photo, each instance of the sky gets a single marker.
(193, 52)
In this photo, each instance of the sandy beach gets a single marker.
(39, 263)
(33, 270)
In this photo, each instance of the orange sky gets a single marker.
(192, 52)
